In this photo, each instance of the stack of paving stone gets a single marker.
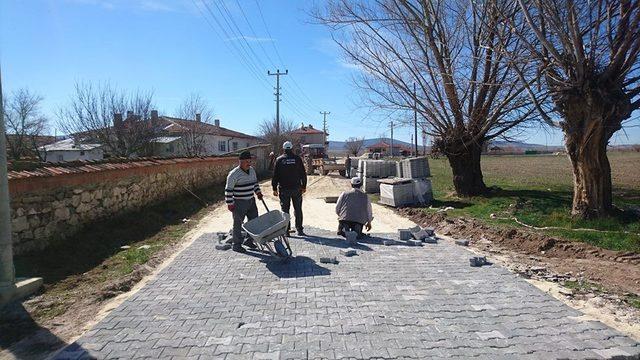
(417, 169)
(397, 192)
(370, 171)
(417, 235)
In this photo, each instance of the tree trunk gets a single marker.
(467, 174)
(592, 114)
(587, 151)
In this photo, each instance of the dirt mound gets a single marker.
(615, 270)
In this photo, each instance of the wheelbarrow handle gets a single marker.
(265, 204)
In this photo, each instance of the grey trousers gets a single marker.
(244, 208)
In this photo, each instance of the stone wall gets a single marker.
(55, 202)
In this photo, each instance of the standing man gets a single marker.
(289, 182)
(242, 183)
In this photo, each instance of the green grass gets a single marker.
(538, 191)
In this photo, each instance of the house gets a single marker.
(309, 135)
(183, 137)
(70, 150)
(383, 148)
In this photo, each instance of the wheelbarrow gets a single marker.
(269, 231)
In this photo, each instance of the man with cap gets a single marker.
(354, 209)
(289, 182)
(242, 184)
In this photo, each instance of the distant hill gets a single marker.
(339, 145)
(525, 146)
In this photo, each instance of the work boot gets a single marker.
(238, 248)
(301, 233)
(341, 233)
(250, 244)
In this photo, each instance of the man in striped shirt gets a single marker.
(242, 183)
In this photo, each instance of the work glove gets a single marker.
(275, 192)
(231, 207)
(259, 195)
(303, 190)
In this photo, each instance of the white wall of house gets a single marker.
(216, 145)
(310, 138)
(213, 145)
(55, 156)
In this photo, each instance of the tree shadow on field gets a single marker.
(553, 201)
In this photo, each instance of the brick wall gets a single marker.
(54, 202)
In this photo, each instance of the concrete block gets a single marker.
(414, 242)
(430, 240)
(420, 235)
(405, 234)
(21, 289)
(348, 252)
(328, 260)
(478, 261)
(430, 231)
(462, 242)
(388, 242)
(223, 247)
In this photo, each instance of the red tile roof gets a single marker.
(75, 167)
(182, 125)
(307, 130)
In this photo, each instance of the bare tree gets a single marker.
(588, 54)
(354, 145)
(196, 109)
(25, 123)
(467, 92)
(95, 114)
(267, 131)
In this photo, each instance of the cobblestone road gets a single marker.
(386, 302)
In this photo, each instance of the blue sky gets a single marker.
(175, 48)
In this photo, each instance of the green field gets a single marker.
(537, 189)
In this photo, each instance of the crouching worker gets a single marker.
(242, 183)
(354, 210)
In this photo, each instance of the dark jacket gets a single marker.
(289, 172)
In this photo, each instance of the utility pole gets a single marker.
(277, 94)
(7, 275)
(392, 138)
(9, 289)
(324, 127)
(424, 142)
(415, 116)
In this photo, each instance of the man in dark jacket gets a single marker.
(289, 182)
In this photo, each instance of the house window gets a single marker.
(235, 145)
(222, 145)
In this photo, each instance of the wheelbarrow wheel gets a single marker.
(281, 249)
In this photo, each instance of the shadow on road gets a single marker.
(21, 337)
(295, 267)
